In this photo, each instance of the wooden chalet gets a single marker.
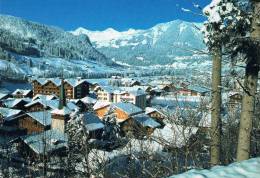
(80, 104)
(193, 91)
(89, 101)
(15, 103)
(7, 115)
(51, 143)
(42, 105)
(129, 82)
(74, 88)
(142, 125)
(156, 114)
(61, 115)
(93, 125)
(124, 111)
(101, 108)
(35, 122)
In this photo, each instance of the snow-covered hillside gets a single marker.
(164, 43)
(53, 67)
(29, 48)
(22, 37)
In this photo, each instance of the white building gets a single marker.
(133, 95)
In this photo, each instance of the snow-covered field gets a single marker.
(48, 66)
(245, 169)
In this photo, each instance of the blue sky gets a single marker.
(101, 14)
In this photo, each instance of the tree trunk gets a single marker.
(216, 107)
(250, 88)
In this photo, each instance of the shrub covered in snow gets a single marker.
(228, 23)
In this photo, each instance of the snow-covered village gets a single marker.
(130, 89)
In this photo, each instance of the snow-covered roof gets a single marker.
(101, 81)
(128, 81)
(43, 117)
(75, 82)
(57, 81)
(244, 169)
(110, 89)
(149, 110)
(3, 95)
(174, 135)
(92, 122)
(44, 97)
(12, 102)
(160, 82)
(72, 106)
(146, 121)
(53, 104)
(51, 139)
(9, 114)
(101, 104)
(128, 108)
(21, 92)
(136, 91)
(88, 100)
(47, 103)
(144, 87)
(64, 111)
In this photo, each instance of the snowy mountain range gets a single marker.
(162, 44)
(29, 48)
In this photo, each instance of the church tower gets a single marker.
(60, 116)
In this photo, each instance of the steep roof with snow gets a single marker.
(146, 121)
(53, 104)
(3, 95)
(12, 102)
(64, 111)
(47, 103)
(57, 81)
(9, 114)
(128, 108)
(43, 117)
(92, 122)
(51, 139)
(22, 92)
(149, 110)
(136, 91)
(44, 97)
(110, 89)
(101, 104)
(88, 100)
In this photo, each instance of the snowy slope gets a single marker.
(22, 37)
(245, 169)
(53, 67)
(164, 43)
(29, 48)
